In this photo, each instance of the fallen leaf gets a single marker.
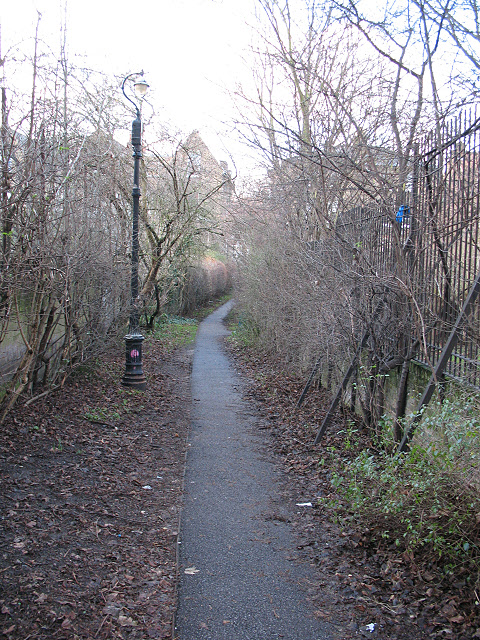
(457, 619)
(321, 614)
(449, 611)
(191, 571)
(126, 622)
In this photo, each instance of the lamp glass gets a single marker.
(141, 88)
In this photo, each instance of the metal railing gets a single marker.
(428, 242)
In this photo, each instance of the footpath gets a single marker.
(240, 578)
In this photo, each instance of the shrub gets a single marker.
(207, 280)
(425, 500)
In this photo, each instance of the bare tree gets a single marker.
(63, 226)
(187, 191)
(343, 169)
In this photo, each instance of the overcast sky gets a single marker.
(192, 51)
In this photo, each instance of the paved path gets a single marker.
(238, 578)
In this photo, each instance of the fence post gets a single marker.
(442, 362)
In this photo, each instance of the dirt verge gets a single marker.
(369, 588)
(90, 485)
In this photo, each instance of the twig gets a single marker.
(379, 604)
(41, 395)
(134, 440)
(104, 423)
(99, 628)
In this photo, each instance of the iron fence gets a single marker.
(427, 243)
(447, 206)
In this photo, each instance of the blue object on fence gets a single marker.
(402, 213)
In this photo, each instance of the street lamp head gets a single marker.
(141, 88)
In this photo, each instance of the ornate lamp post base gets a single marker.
(133, 376)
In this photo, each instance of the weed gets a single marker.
(426, 499)
(57, 447)
(175, 331)
(100, 414)
(350, 435)
(96, 415)
(244, 332)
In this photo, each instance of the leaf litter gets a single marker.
(91, 506)
(363, 588)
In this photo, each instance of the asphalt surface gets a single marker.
(239, 576)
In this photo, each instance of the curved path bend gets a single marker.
(238, 577)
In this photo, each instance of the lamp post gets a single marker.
(133, 376)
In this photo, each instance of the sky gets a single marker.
(192, 51)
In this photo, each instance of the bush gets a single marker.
(425, 500)
(205, 281)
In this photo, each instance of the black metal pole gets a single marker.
(133, 376)
(442, 363)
